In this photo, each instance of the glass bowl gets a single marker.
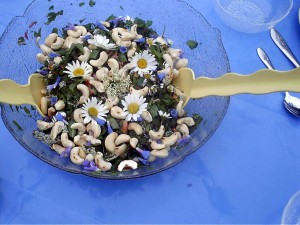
(208, 59)
(252, 16)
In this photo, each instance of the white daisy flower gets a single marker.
(148, 77)
(77, 69)
(143, 62)
(102, 42)
(134, 105)
(128, 18)
(164, 114)
(94, 111)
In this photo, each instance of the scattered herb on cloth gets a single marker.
(109, 102)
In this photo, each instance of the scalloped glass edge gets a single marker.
(112, 176)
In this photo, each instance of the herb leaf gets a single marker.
(81, 4)
(92, 3)
(192, 44)
(17, 125)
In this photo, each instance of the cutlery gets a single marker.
(261, 82)
(282, 45)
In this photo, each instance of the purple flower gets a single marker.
(141, 40)
(123, 49)
(101, 26)
(88, 144)
(53, 86)
(174, 113)
(86, 37)
(115, 21)
(109, 128)
(161, 76)
(144, 161)
(66, 152)
(43, 72)
(99, 121)
(60, 117)
(69, 27)
(53, 101)
(89, 166)
(154, 36)
(183, 140)
(144, 153)
(52, 55)
(139, 119)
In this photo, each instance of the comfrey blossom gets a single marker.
(53, 86)
(89, 166)
(100, 25)
(164, 114)
(69, 27)
(66, 152)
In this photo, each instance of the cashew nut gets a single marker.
(98, 85)
(94, 129)
(100, 61)
(183, 129)
(137, 128)
(127, 163)
(58, 148)
(156, 135)
(65, 140)
(57, 60)
(102, 73)
(77, 155)
(133, 142)
(94, 141)
(51, 112)
(174, 53)
(80, 127)
(50, 39)
(43, 125)
(163, 153)
(171, 140)
(86, 54)
(168, 59)
(74, 33)
(160, 40)
(59, 105)
(189, 121)
(157, 146)
(90, 157)
(42, 58)
(57, 44)
(45, 49)
(142, 92)
(82, 29)
(120, 150)
(147, 116)
(122, 138)
(132, 50)
(85, 93)
(110, 142)
(181, 63)
(117, 113)
(57, 129)
(78, 140)
(113, 64)
(44, 105)
(77, 116)
(179, 108)
(101, 163)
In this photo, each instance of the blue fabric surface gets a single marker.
(245, 173)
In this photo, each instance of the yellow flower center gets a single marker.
(93, 112)
(150, 41)
(133, 108)
(78, 72)
(147, 76)
(142, 63)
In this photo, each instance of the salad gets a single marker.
(109, 101)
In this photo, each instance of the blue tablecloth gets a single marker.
(245, 173)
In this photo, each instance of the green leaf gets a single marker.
(121, 7)
(37, 34)
(80, 21)
(52, 16)
(149, 23)
(122, 57)
(92, 3)
(17, 125)
(21, 41)
(154, 110)
(81, 4)
(27, 111)
(55, 30)
(11, 108)
(94, 54)
(51, 7)
(113, 123)
(192, 44)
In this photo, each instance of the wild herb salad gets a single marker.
(110, 103)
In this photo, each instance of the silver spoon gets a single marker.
(291, 103)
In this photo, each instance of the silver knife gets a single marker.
(282, 45)
(264, 58)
